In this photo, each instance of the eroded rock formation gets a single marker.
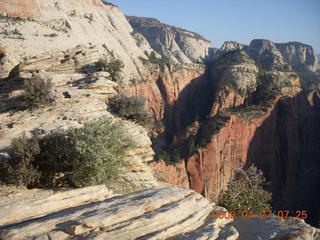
(177, 44)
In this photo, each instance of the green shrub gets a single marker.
(247, 113)
(131, 108)
(152, 58)
(21, 168)
(113, 67)
(90, 155)
(37, 91)
(93, 154)
(246, 193)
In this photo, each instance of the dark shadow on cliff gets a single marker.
(191, 109)
(286, 147)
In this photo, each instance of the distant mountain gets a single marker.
(278, 56)
(177, 44)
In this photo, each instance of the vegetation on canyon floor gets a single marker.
(93, 154)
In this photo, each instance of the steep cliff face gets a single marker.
(300, 56)
(233, 77)
(167, 95)
(177, 44)
(286, 147)
(213, 165)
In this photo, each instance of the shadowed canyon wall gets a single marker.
(286, 147)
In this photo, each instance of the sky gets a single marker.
(237, 20)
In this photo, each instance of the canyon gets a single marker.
(213, 111)
(282, 139)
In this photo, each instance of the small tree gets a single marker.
(37, 91)
(131, 108)
(246, 193)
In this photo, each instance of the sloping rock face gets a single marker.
(34, 27)
(79, 98)
(177, 44)
(150, 214)
(7, 60)
(300, 56)
(41, 204)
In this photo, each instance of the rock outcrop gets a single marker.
(265, 53)
(31, 206)
(227, 46)
(234, 77)
(167, 213)
(150, 214)
(300, 56)
(231, 45)
(177, 44)
(34, 27)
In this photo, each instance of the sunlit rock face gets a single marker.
(300, 56)
(34, 27)
(177, 44)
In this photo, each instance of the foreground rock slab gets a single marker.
(33, 206)
(149, 214)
